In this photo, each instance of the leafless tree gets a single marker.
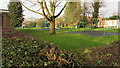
(48, 8)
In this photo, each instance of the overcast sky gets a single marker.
(111, 7)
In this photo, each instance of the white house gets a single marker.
(109, 23)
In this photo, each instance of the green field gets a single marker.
(70, 41)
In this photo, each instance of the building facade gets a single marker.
(109, 23)
(4, 19)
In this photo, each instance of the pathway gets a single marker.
(96, 33)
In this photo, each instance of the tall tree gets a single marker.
(72, 12)
(48, 12)
(15, 13)
(96, 7)
(85, 11)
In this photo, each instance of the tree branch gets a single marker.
(41, 5)
(31, 9)
(51, 8)
(46, 8)
(54, 3)
(57, 4)
(61, 10)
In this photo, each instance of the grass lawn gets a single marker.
(70, 41)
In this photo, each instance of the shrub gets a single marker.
(32, 24)
(40, 23)
(31, 52)
(102, 56)
(29, 24)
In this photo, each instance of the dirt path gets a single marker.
(96, 33)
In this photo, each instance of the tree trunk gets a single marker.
(52, 27)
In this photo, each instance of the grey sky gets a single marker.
(111, 7)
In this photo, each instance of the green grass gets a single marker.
(69, 41)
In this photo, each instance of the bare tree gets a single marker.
(48, 14)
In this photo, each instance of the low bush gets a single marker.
(19, 49)
(29, 24)
(31, 52)
(102, 56)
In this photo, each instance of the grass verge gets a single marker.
(69, 41)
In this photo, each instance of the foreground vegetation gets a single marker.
(20, 49)
(31, 52)
(69, 41)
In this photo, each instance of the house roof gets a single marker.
(3, 10)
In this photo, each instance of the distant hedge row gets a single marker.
(34, 24)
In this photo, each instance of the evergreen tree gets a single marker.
(96, 7)
(16, 14)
